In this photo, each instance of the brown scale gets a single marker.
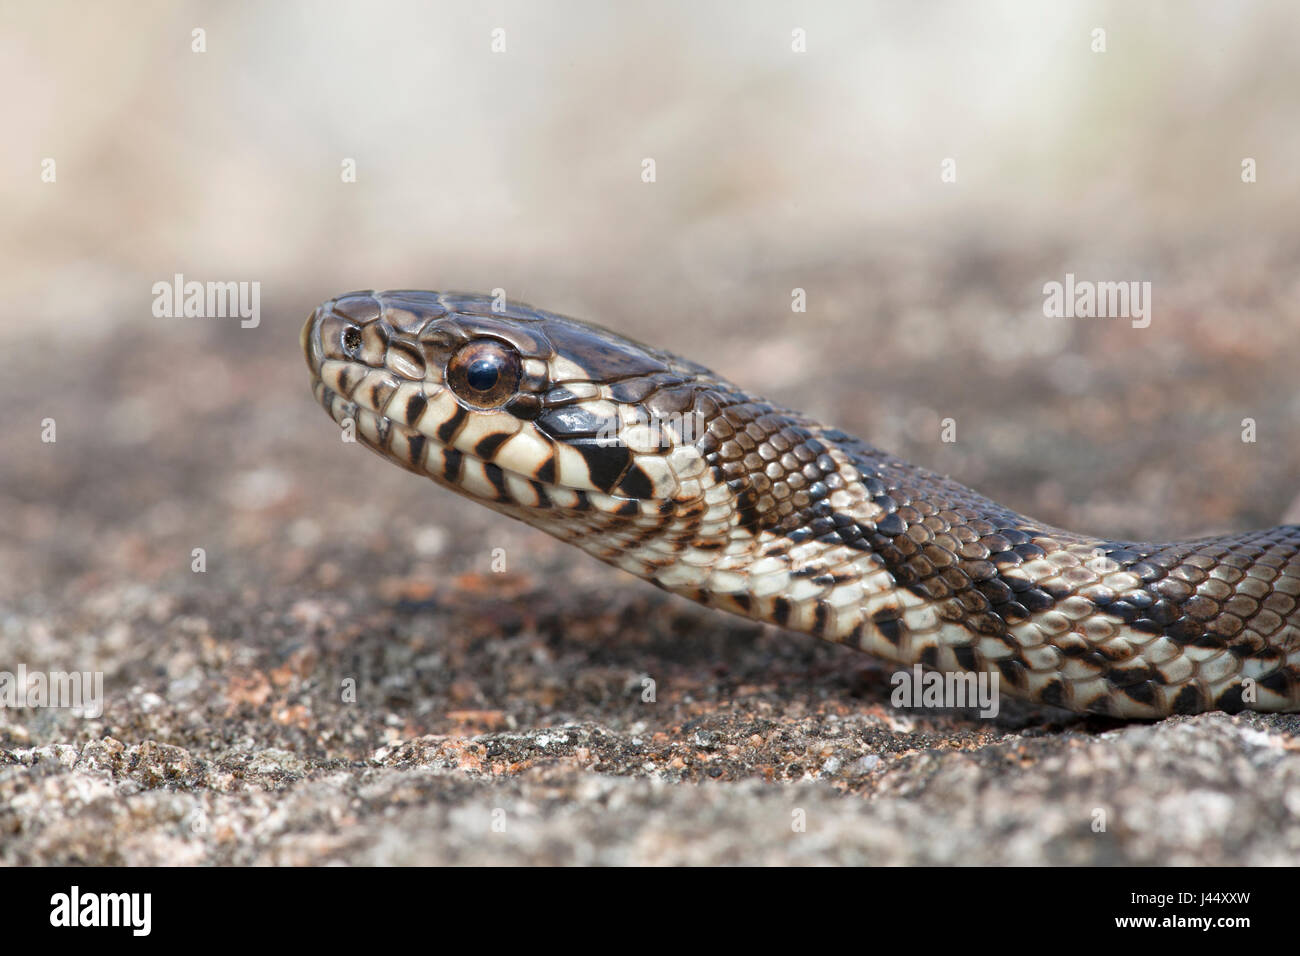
(952, 546)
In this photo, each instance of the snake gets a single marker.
(656, 465)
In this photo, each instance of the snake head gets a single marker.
(534, 414)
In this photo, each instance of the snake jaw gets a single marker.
(562, 446)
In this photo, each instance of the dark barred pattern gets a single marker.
(765, 513)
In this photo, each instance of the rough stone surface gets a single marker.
(350, 681)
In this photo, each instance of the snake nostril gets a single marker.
(352, 339)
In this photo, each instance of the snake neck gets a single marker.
(773, 519)
(813, 529)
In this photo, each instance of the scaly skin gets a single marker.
(657, 466)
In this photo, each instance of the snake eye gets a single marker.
(484, 373)
(352, 338)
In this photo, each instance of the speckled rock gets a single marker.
(348, 679)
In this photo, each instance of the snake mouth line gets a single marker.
(401, 441)
(558, 441)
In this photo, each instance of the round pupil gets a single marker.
(483, 373)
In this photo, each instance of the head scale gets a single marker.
(565, 425)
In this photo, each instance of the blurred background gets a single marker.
(775, 169)
(1105, 140)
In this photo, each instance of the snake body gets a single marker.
(656, 465)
